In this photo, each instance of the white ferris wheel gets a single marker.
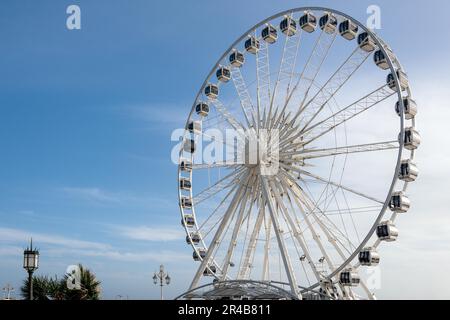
(340, 105)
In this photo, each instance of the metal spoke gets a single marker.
(286, 69)
(249, 255)
(315, 105)
(310, 71)
(215, 241)
(244, 96)
(239, 219)
(280, 238)
(225, 165)
(224, 183)
(296, 231)
(328, 152)
(349, 112)
(263, 80)
(309, 174)
(227, 116)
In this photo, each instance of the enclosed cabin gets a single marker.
(252, 45)
(402, 79)
(269, 34)
(210, 271)
(369, 257)
(201, 254)
(366, 42)
(185, 165)
(327, 287)
(193, 238)
(189, 146)
(212, 91)
(410, 108)
(185, 184)
(195, 127)
(186, 203)
(399, 202)
(188, 221)
(288, 26)
(408, 171)
(412, 139)
(386, 231)
(349, 278)
(328, 23)
(223, 74)
(308, 22)
(348, 29)
(381, 60)
(202, 109)
(237, 59)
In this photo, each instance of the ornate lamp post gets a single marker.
(31, 264)
(161, 277)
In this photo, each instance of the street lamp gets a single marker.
(161, 277)
(8, 290)
(30, 263)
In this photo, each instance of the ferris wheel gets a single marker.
(330, 96)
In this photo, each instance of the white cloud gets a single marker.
(151, 233)
(56, 245)
(11, 251)
(22, 236)
(159, 114)
(92, 194)
(106, 197)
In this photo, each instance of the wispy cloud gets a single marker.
(92, 194)
(159, 114)
(124, 256)
(56, 245)
(150, 233)
(23, 236)
(103, 196)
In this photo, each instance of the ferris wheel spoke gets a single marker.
(244, 96)
(224, 183)
(345, 150)
(370, 294)
(349, 112)
(310, 71)
(318, 178)
(313, 132)
(250, 252)
(296, 195)
(268, 230)
(202, 227)
(224, 222)
(296, 231)
(286, 69)
(227, 116)
(323, 211)
(280, 238)
(332, 238)
(347, 69)
(302, 197)
(240, 218)
(263, 81)
(327, 220)
(225, 165)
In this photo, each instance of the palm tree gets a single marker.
(89, 286)
(48, 288)
(44, 288)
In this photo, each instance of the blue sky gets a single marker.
(86, 118)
